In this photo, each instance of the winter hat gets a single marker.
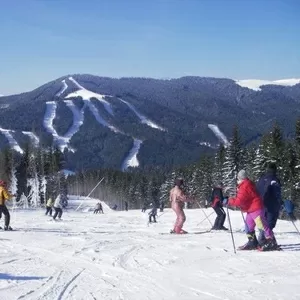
(242, 175)
(272, 167)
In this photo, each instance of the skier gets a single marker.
(98, 208)
(216, 201)
(153, 213)
(177, 199)
(162, 206)
(58, 207)
(115, 207)
(269, 188)
(5, 195)
(49, 205)
(126, 205)
(144, 208)
(249, 200)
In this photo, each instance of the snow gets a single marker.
(131, 160)
(3, 106)
(117, 256)
(63, 89)
(219, 134)
(255, 84)
(12, 142)
(33, 137)
(142, 118)
(88, 95)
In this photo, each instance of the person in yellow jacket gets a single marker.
(5, 195)
(49, 206)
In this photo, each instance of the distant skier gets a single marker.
(115, 207)
(58, 207)
(216, 202)
(162, 206)
(4, 196)
(126, 205)
(177, 199)
(269, 188)
(249, 200)
(153, 213)
(144, 208)
(98, 208)
(49, 206)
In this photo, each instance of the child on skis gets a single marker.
(249, 201)
(4, 196)
(177, 199)
(58, 207)
(49, 206)
(153, 213)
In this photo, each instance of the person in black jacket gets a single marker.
(217, 204)
(269, 188)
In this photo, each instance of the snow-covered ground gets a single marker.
(143, 119)
(118, 256)
(35, 140)
(255, 84)
(131, 160)
(218, 133)
(11, 140)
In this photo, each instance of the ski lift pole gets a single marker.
(230, 227)
(89, 193)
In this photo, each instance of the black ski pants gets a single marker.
(150, 218)
(221, 216)
(48, 210)
(4, 210)
(58, 212)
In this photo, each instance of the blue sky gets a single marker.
(41, 40)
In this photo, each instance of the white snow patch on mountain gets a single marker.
(12, 142)
(32, 136)
(98, 117)
(3, 106)
(206, 144)
(115, 255)
(142, 118)
(255, 84)
(88, 95)
(63, 89)
(131, 160)
(219, 134)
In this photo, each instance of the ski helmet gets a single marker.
(179, 182)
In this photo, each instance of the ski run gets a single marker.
(115, 256)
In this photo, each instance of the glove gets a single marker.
(225, 201)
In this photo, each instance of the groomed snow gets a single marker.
(88, 95)
(142, 118)
(63, 89)
(131, 160)
(255, 84)
(12, 142)
(117, 256)
(33, 137)
(219, 134)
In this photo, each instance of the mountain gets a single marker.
(109, 122)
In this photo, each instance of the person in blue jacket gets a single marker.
(289, 207)
(269, 188)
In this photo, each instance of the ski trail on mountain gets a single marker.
(33, 137)
(12, 142)
(143, 119)
(131, 160)
(88, 95)
(63, 89)
(218, 133)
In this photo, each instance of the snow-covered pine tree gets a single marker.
(164, 191)
(218, 169)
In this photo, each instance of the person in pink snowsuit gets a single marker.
(177, 199)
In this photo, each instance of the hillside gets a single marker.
(107, 122)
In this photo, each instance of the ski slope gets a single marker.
(117, 256)
(256, 84)
(131, 159)
(218, 133)
(11, 140)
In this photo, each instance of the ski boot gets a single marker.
(270, 244)
(7, 228)
(252, 243)
(224, 228)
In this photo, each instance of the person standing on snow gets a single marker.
(153, 213)
(126, 205)
(177, 199)
(249, 201)
(216, 201)
(269, 188)
(4, 196)
(49, 205)
(58, 207)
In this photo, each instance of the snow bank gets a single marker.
(88, 203)
(255, 84)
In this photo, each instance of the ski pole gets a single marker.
(89, 194)
(233, 243)
(205, 219)
(206, 216)
(295, 225)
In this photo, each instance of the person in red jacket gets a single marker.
(249, 201)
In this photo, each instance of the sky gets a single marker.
(41, 40)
